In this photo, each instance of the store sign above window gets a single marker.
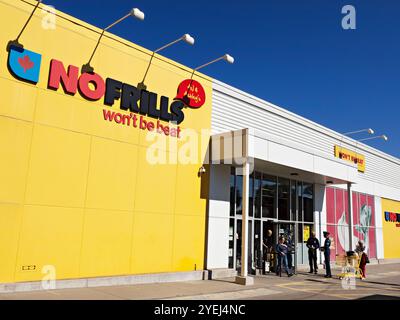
(350, 156)
(392, 217)
(25, 66)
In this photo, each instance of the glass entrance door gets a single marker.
(238, 247)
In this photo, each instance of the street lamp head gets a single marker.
(188, 39)
(135, 12)
(229, 58)
(371, 131)
(384, 137)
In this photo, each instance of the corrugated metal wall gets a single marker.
(233, 109)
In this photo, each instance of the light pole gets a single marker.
(225, 57)
(369, 131)
(186, 38)
(383, 137)
(135, 12)
(15, 43)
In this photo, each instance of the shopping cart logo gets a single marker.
(24, 64)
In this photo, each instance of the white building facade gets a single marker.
(296, 184)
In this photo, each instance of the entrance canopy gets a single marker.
(280, 156)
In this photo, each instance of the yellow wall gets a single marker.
(76, 191)
(391, 233)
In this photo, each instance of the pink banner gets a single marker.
(356, 219)
(346, 206)
(330, 205)
(340, 213)
(338, 220)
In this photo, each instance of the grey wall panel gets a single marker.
(233, 109)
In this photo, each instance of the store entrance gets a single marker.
(265, 238)
(276, 206)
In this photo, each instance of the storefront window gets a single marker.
(232, 196)
(308, 202)
(251, 194)
(231, 241)
(268, 196)
(257, 242)
(299, 201)
(283, 199)
(293, 204)
(257, 195)
(239, 194)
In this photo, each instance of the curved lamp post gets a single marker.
(186, 38)
(135, 12)
(15, 43)
(225, 57)
(369, 131)
(383, 137)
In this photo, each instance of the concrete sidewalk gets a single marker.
(382, 280)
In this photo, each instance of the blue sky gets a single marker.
(293, 53)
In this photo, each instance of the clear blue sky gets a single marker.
(293, 53)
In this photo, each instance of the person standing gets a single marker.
(327, 254)
(313, 246)
(267, 251)
(282, 251)
(360, 250)
(289, 244)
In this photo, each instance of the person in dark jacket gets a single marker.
(313, 246)
(282, 252)
(289, 244)
(267, 250)
(327, 254)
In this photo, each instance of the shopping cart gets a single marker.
(350, 264)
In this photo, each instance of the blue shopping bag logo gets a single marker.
(24, 64)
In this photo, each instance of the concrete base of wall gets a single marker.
(245, 281)
(221, 273)
(388, 261)
(104, 281)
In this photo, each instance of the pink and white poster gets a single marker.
(363, 220)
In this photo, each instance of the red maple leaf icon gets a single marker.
(26, 63)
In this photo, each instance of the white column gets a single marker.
(319, 214)
(245, 214)
(350, 206)
(244, 278)
(380, 254)
(245, 168)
